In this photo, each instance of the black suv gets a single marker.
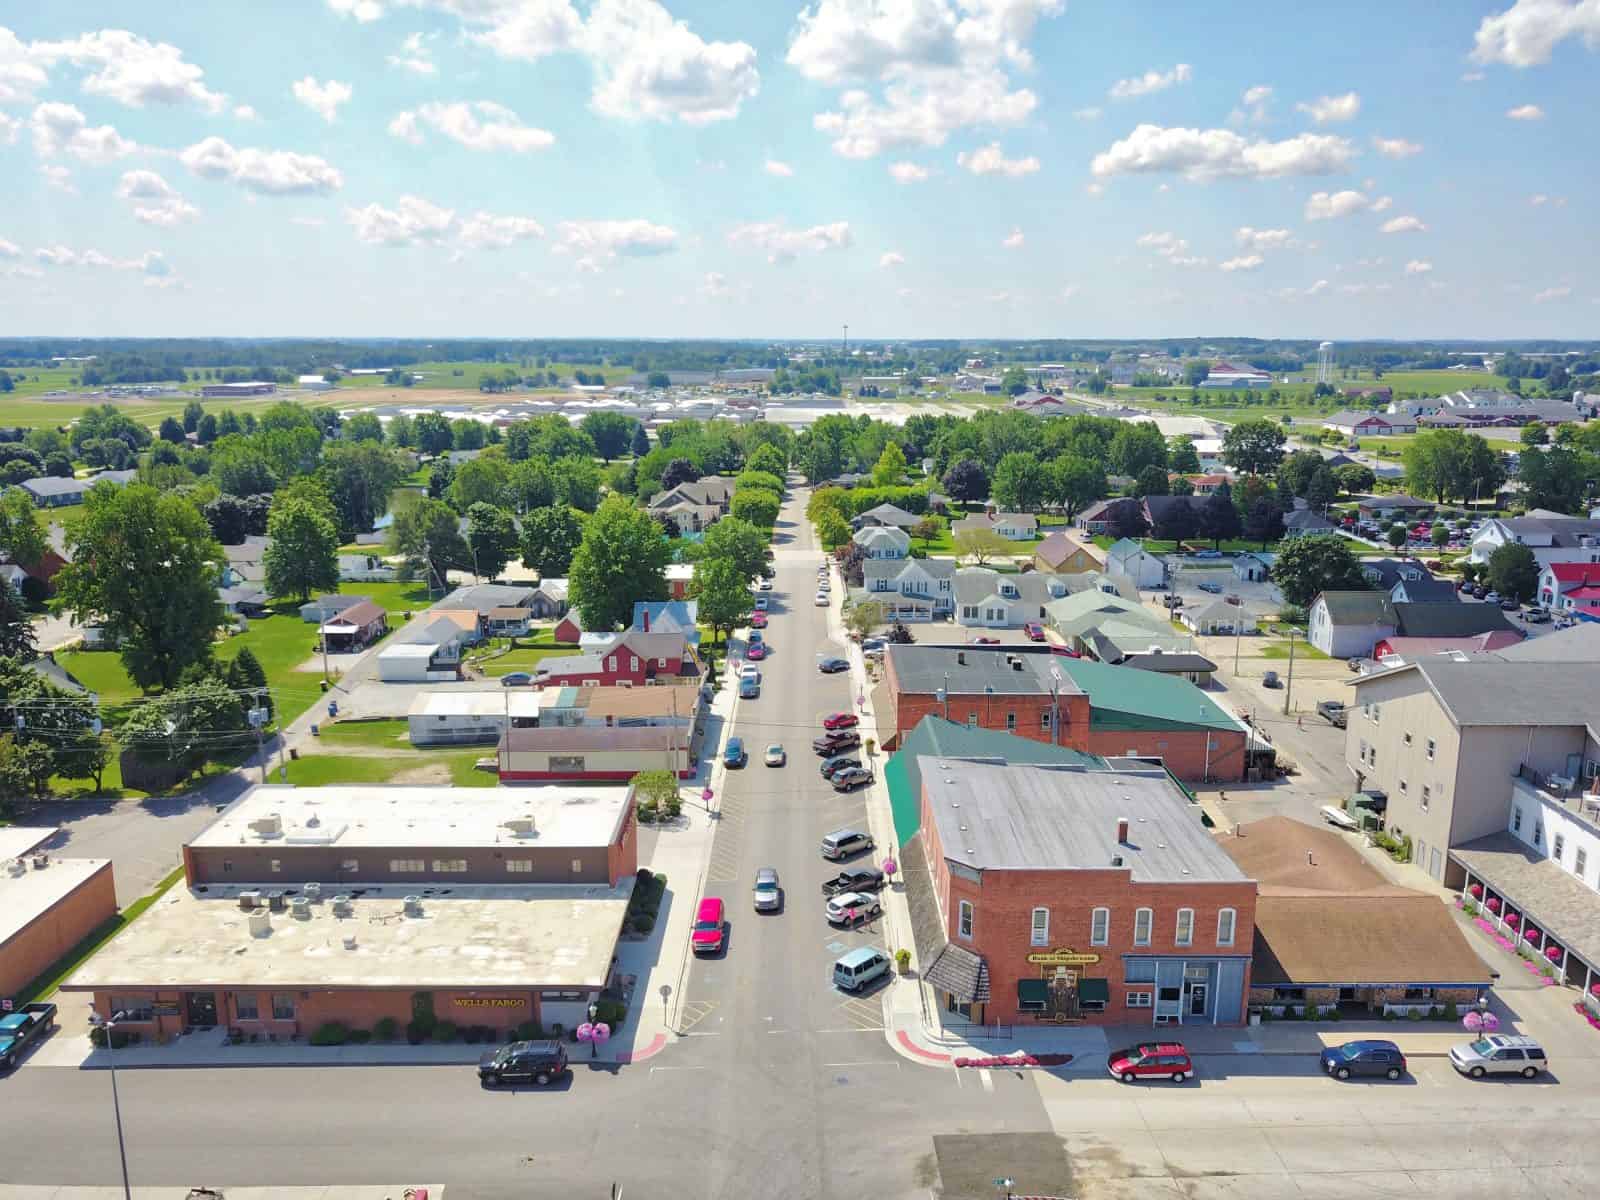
(534, 1062)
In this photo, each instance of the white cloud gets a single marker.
(1396, 147)
(1263, 239)
(715, 285)
(1014, 240)
(892, 259)
(1324, 206)
(1087, 114)
(1526, 33)
(1326, 109)
(20, 75)
(1526, 112)
(1382, 204)
(1245, 262)
(1206, 154)
(245, 112)
(308, 222)
(58, 177)
(61, 129)
(9, 249)
(1418, 266)
(1172, 248)
(411, 222)
(132, 70)
(361, 10)
(1541, 199)
(151, 262)
(1150, 81)
(1068, 292)
(1259, 94)
(1403, 225)
(481, 125)
(598, 243)
(991, 160)
(323, 99)
(9, 128)
(908, 172)
(155, 201)
(414, 56)
(784, 245)
(653, 67)
(780, 169)
(268, 172)
(487, 231)
(1317, 288)
(938, 66)
(1551, 293)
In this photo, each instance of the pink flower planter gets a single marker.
(1492, 904)
(1553, 953)
(1512, 920)
(1476, 891)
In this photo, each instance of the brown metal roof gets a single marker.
(359, 615)
(593, 737)
(621, 702)
(1409, 938)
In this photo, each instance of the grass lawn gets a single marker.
(111, 787)
(1302, 649)
(393, 598)
(529, 653)
(385, 735)
(321, 770)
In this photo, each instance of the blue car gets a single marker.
(733, 755)
(516, 679)
(1368, 1057)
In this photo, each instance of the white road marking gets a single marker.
(653, 1070)
(987, 1079)
(867, 1062)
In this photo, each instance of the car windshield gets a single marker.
(1350, 1052)
(706, 926)
(766, 885)
(1483, 1046)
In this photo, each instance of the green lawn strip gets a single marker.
(62, 788)
(1302, 649)
(46, 984)
(523, 659)
(322, 770)
(383, 734)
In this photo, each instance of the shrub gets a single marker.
(331, 1033)
(612, 1012)
(1436, 1013)
(417, 1032)
(444, 1031)
(1333, 1013)
(384, 1030)
(529, 1031)
(1450, 1012)
(644, 923)
(360, 1037)
(1414, 1015)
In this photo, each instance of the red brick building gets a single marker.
(47, 904)
(1043, 894)
(635, 659)
(1085, 705)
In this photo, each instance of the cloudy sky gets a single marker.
(916, 168)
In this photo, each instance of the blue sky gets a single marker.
(916, 168)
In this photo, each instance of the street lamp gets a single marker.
(109, 1024)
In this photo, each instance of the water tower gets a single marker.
(1325, 363)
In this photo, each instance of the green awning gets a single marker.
(1032, 991)
(1094, 989)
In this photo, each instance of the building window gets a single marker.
(277, 865)
(1139, 970)
(1294, 994)
(1557, 845)
(407, 866)
(449, 866)
(1580, 861)
(1430, 749)
(567, 762)
(350, 864)
(1426, 795)
(1100, 927)
(1419, 993)
(633, 662)
(519, 866)
(1141, 927)
(1141, 999)
(1011, 722)
(577, 866)
(133, 1008)
(964, 928)
(1039, 933)
(245, 1007)
(1091, 1006)
(282, 1006)
(1516, 819)
(972, 720)
(1185, 933)
(1375, 708)
(1226, 919)
(1044, 719)
(1538, 833)
(1361, 755)
(227, 866)
(611, 663)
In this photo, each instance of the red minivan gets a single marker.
(708, 926)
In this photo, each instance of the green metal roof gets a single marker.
(1125, 698)
(937, 737)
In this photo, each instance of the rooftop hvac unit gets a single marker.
(342, 906)
(260, 922)
(301, 908)
(41, 861)
(413, 906)
(248, 900)
(16, 867)
(313, 891)
(349, 941)
(275, 901)
(270, 825)
(522, 826)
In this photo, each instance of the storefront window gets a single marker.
(133, 1008)
(1140, 971)
(245, 1007)
(1040, 932)
(282, 1006)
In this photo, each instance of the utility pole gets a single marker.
(1288, 687)
(1237, 625)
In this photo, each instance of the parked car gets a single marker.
(1367, 1057)
(516, 679)
(1208, 554)
(760, 604)
(843, 843)
(758, 620)
(1034, 631)
(1537, 616)
(1463, 585)
(862, 879)
(857, 968)
(850, 778)
(823, 585)
(821, 600)
(750, 672)
(1509, 604)
(1208, 586)
(1333, 712)
(1499, 1054)
(837, 742)
(535, 1062)
(985, 640)
(775, 755)
(734, 754)
(1338, 818)
(840, 720)
(872, 643)
(852, 908)
(749, 687)
(1269, 679)
(838, 762)
(18, 1029)
(768, 896)
(832, 665)
(1151, 1060)
(765, 585)
(710, 926)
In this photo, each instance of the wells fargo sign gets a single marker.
(1062, 958)
(489, 1002)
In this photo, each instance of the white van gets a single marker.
(853, 971)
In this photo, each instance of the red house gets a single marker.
(635, 659)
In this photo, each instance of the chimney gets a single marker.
(647, 620)
(1122, 831)
(1310, 860)
(961, 658)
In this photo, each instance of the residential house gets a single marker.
(1303, 521)
(1186, 664)
(364, 568)
(1044, 404)
(50, 562)
(1204, 485)
(987, 599)
(549, 600)
(1392, 651)
(1101, 516)
(912, 589)
(355, 627)
(1130, 560)
(47, 491)
(245, 563)
(1218, 618)
(884, 514)
(674, 616)
(1559, 580)
(679, 576)
(1253, 566)
(1553, 537)
(484, 598)
(1398, 507)
(1014, 527)
(510, 621)
(883, 541)
(1384, 573)
(1110, 626)
(429, 647)
(635, 659)
(1063, 553)
(1424, 591)
(570, 630)
(243, 600)
(1351, 624)
(694, 505)
(323, 608)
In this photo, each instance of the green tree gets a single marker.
(228, 423)
(492, 539)
(171, 430)
(363, 427)
(967, 481)
(1439, 535)
(1152, 481)
(723, 592)
(186, 724)
(833, 530)
(428, 533)
(360, 477)
(482, 480)
(550, 537)
(206, 430)
(577, 481)
(1321, 490)
(1355, 479)
(1014, 381)
(22, 536)
(891, 466)
(1177, 522)
(610, 432)
(768, 458)
(25, 770)
(143, 566)
(1219, 519)
(1075, 483)
(1552, 479)
(239, 468)
(861, 619)
(245, 673)
(467, 434)
(1396, 536)
(192, 412)
(1514, 572)
(756, 506)
(1263, 522)
(1314, 563)
(927, 529)
(17, 638)
(1020, 482)
(302, 553)
(1295, 471)
(980, 545)
(1534, 435)
(657, 379)
(622, 559)
(432, 433)
(1195, 373)
(739, 541)
(1182, 457)
(530, 485)
(1137, 445)
(1254, 447)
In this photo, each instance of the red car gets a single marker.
(756, 652)
(708, 926)
(840, 720)
(985, 641)
(758, 620)
(1151, 1060)
(1034, 630)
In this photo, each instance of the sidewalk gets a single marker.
(370, 1191)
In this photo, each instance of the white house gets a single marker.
(1349, 624)
(883, 541)
(1253, 566)
(911, 588)
(1129, 559)
(365, 568)
(986, 599)
(1014, 527)
(1218, 617)
(457, 718)
(1553, 537)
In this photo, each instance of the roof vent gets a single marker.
(413, 906)
(349, 941)
(522, 826)
(270, 825)
(276, 902)
(248, 900)
(260, 922)
(300, 908)
(313, 891)
(1116, 860)
(1122, 831)
(961, 658)
(341, 905)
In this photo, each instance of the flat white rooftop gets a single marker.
(26, 897)
(17, 840)
(465, 937)
(429, 817)
(519, 702)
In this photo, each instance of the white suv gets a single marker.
(1499, 1054)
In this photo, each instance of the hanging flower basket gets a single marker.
(1490, 1022)
(1532, 933)
(1594, 990)
(1553, 953)
(1492, 904)
(1472, 1022)
(1476, 891)
(1512, 920)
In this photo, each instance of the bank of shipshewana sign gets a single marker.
(489, 1002)
(1062, 958)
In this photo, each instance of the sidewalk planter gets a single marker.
(902, 961)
